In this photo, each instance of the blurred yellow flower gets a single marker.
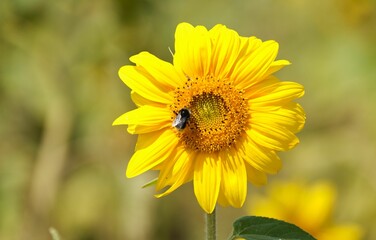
(216, 116)
(309, 207)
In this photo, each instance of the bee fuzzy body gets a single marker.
(181, 120)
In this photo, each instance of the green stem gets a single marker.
(210, 226)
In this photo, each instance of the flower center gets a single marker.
(208, 111)
(218, 114)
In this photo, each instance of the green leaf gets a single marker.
(263, 228)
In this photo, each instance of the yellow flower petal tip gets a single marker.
(216, 116)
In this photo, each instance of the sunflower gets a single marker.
(217, 116)
(309, 206)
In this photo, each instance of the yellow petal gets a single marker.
(248, 46)
(234, 179)
(288, 195)
(138, 82)
(192, 50)
(272, 136)
(343, 232)
(141, 101)
(207, 180)
(316, 205)
(183, 31)
(275, 66)
(291, 116)
(222, 200)
(164, 178)
(280, 202)
(163, 73)
(145, 119)
(256, 177)
(226, 47)
(260, 158)
(250, 69)
(261, 89)
(152, 149)
(181, 172)
(278, 93)
(263, 206)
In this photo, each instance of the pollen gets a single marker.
(219, 114)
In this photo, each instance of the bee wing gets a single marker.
(177, 121)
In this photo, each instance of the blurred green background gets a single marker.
(62, 164)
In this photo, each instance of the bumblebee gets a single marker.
(181, 120)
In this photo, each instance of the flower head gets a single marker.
(307, 206)
(216, 116)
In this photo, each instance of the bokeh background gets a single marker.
(62, 164)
